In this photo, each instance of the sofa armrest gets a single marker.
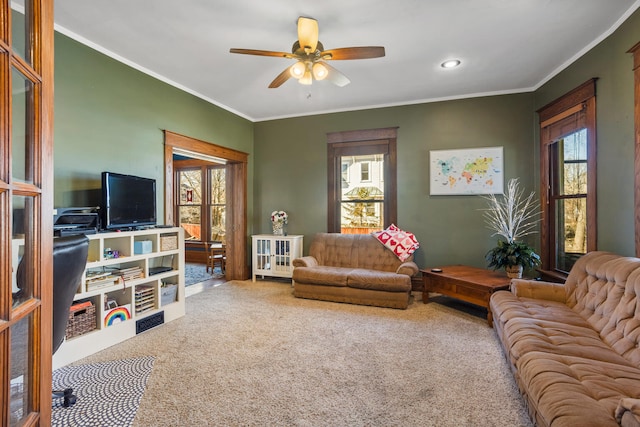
(628, 412)
(305, 261)
(409, 268)
(539, 290)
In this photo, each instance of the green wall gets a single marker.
(109, 116)
(291, 171)
(612, 65)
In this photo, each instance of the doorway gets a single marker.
(211, 157)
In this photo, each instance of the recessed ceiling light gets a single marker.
(452, 63)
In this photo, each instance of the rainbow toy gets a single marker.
(117, 315)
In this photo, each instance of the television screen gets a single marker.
(127, 201)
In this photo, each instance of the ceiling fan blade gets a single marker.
(262, 53)
(282, 77)
(335, 76)
(308, 33)
(364, 52)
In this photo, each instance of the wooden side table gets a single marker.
(470, 284)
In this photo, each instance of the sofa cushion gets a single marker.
(378, 280)
(622, 332)
(572, 391)
(537, 325)
(322, 275)
(596, 285)
(334, 249)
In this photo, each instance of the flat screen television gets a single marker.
(127, 201)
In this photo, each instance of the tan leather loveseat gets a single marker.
(353, 268)
(575, 348)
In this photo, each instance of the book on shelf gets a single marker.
(144, 308)
(98, 279)
(129, 273)
(144, 298)
(143, 290)
(143, 301)
(101, 282)
(97, 274)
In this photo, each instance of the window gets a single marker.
(190, 203)
(201, 202)
(568, 198)
(345, 174)
(366, 204)
(362, 202)
(364, 171)
(217, 204)
(568, 168)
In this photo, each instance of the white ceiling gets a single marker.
(505, 46)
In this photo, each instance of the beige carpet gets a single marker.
(251, 354)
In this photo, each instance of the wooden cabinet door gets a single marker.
(26, 211)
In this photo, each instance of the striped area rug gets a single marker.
(108, 394)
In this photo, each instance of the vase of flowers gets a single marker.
(278, 220)
(512, 217)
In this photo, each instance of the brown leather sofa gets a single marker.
(353, 268)
(574, 349)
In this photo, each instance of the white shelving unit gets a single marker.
(272, 255)
(142, 296)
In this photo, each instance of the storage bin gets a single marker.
(168, 243)
(168, 294)
(142, 247)
(82, 319)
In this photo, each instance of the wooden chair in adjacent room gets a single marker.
(217, 256)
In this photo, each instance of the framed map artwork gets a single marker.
(466, 171)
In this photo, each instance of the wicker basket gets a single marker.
(168, 243)
(81, 321)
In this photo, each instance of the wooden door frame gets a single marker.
(557, 113)
(635, 51)
(236, 222)
(37, 66)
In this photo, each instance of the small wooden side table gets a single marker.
(470, 284)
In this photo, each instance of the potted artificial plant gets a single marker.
(512, 217)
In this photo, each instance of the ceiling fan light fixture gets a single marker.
(319, 71)
(306, 79)
(310, 57)
(451, 63)
(297, 70)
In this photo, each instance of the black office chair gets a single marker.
(69, 261)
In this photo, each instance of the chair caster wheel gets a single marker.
(69, 399)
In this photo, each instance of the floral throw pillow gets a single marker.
(400, 242)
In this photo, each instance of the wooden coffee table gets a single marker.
(470, 284)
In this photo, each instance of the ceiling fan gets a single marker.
(311, 57)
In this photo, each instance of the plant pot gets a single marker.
(514, 271)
